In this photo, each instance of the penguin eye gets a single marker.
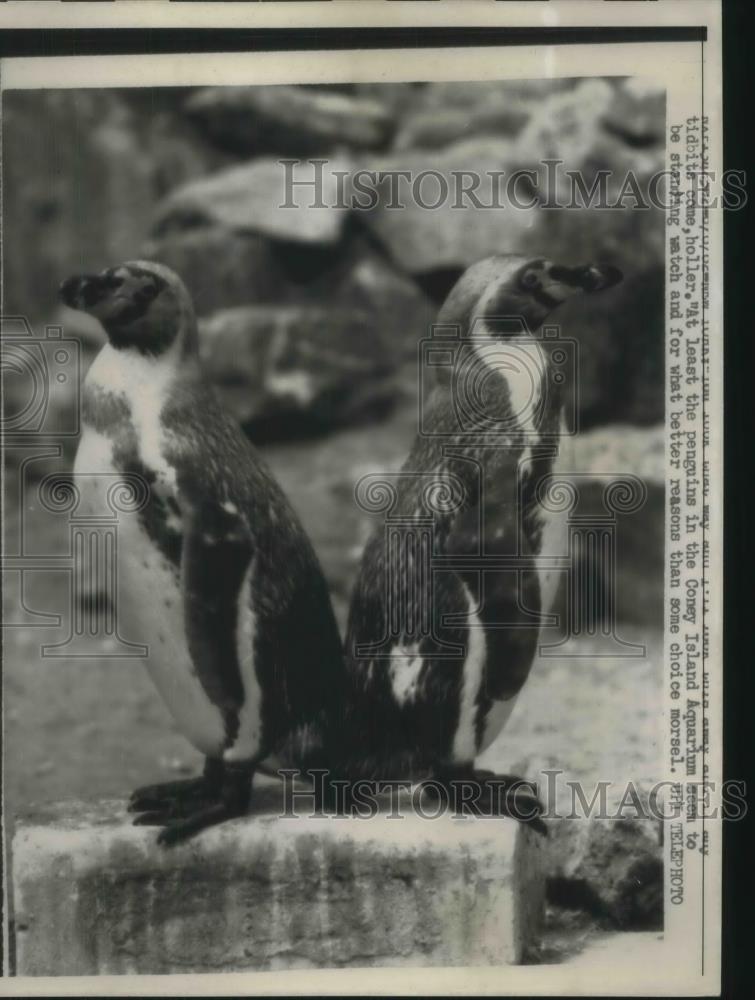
(111, 280)
(147, 292)
(530, 280)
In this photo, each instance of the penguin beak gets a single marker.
(563, 282)
(86, 291)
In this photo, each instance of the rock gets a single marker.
(439, 128)
(638, 112)
(362, 278)
(423, 239)
(288, 370)
(444, 114)
(404, 314)
(221, 267)
(565, 122)
(177, 150)
(95, 895)
(289, 121)
(571, 128)
(257, 197)
(615, 870)
(620, 335)
(398, 98)
(632, 240)
(635, 581)
(179, 154)
(78, 191)
(470, 95)
(639, 586)
(608, 452)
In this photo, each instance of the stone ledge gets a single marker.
(94, 895)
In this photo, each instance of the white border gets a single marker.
(676, 973)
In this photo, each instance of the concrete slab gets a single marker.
(93, 894)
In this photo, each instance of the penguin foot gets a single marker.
(160, 796)
(176, 830)
(477, 792)
(167, 795)
(196, 805)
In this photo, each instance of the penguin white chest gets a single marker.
(148, 598)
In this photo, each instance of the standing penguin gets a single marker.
(215, 573)
(439, 647)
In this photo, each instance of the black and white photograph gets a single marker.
(355, 505)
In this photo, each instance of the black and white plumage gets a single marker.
(428, 700)
(215, 573)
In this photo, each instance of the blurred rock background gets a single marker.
(310, 321)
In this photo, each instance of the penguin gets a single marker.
(216, 576)
(438, 650)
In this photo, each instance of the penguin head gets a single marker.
(141, 305)
(506, 291)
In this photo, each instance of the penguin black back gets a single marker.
(445, 614)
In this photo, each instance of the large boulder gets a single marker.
(620, 335)
(626, 587)
(289, 121)
(257, 197)
(177, 150)
(446, 112)
(421, 238)
(590, 127)
(573, 142)
(638, 112)
(398, 98)
(403, 312)
(440, 127)
(613, 868)
(221, 267)
(295, 370)
(583, 127)
(362, 278)
(472, 94)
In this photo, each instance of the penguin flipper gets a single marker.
(217, 552)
